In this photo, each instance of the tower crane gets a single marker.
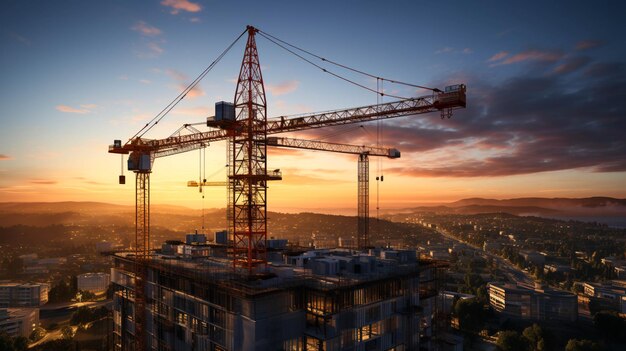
(245, 126)
(248, 165)
(363, 153)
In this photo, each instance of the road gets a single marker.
(60, 314)
(512, 272)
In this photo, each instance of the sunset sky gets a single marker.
(546, 96)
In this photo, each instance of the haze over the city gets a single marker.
(545, 114)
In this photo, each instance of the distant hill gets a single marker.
(94, 213)
(477, 209)
(583, 208)
(553, 203)
(182, 218)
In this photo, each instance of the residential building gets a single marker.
(97, 283)
(18, 321)
(195, 239)
(29, 259)
(449, 298)
(611, 293)
(608, 290)
(491, 246)
(104, 246)
(540, 303)
(620, 271)
(533, 257)
(556, 268)
(23, 295)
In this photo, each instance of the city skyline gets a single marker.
(545, 105)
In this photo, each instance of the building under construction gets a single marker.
(338, 299)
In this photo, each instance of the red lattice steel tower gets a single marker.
(363, 202)
(248, 173)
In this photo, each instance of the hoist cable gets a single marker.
(156, 119)
(324, 69)
(266, 35)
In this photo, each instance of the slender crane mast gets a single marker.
(247, 165)
(363, 153)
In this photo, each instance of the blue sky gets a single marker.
(542, 80)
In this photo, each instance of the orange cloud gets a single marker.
(293, 176)
(572, 64)
(498, 56)
(193, 93)
(182, 83)
(69, 109)
(4, 157)
(588, 44)
(192, 111)
(528, 55)
(155, 48)
(141, 117)
(43, 181)
(146, 29)
(283, 88)
(281, 151)
(176, 74)
(178, 5)
(444, 50)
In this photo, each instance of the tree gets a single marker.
(61, 292)
(13, 265)
(472, 282)
(37, 334)
(535, 338)
(110, 291)
(7, 343)
(87, 295)
(482, 294)
(581, 345)
(67, 332)
(84, 315)
(510, 340)
(57, 345)
(20, 343)
(471, 314)
(610, 324)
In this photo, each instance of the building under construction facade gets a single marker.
(305, 300)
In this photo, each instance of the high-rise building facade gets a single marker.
(23, 295)
(539, 303)
(311, 300)
(18, 321)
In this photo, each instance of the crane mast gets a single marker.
(247, 163)
(363, 153)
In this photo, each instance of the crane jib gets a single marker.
(450, 99)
